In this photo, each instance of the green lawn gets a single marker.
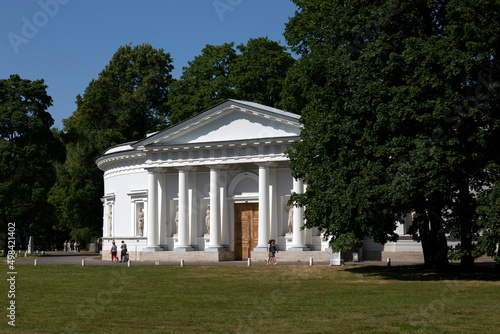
(257, 299)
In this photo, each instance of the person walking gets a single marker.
(271, 252)
(124, 251)
(114, 251)
(65, 246)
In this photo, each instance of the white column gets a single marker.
(193, 210)
(162, 209)
(152, 213)
(263, 207)
(224, 234)
(214, 244)
(298, 239)
(273, 210)
(182, 243)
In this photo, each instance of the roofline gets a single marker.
(238, 103)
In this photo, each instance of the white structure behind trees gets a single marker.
(212, 188)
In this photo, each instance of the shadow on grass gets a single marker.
(482, 272)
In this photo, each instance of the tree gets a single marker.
(400, 115)
(28, 149)
(203, 83)
(255, 74)
(258, 73)
(128, 100)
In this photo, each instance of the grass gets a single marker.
(241, 299)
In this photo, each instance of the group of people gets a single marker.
(271, 251)
(114, 252)
(67, 246)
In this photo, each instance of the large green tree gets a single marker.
(128, 100)
(28, 150)
(259, 71)
(256, 73)
(203, 83)
(400, 114)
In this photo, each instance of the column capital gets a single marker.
(217, 167)
(265, 164)
(153, 169)
(185, 168)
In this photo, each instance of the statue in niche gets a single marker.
(290, 220)
(140, 219)
(176, 221)
(207, 220)
(110, 221)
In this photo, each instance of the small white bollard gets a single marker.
(388, 261)
(182, 263)
(249, 262)
(83, 263)
(35, 261)
(311, 261)
(128, 263)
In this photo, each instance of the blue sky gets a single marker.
(68, 42)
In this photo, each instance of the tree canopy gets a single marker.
(254, 74)
(28, 149)
(128, 100)
(400, 115)
(203, 83)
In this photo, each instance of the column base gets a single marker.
(152, 249)
(183, 249)
(336, 259)
(215, 248)
(299, 248)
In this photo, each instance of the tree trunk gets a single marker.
(465, 209)
(467, 259)
(435, 249)
(434, 243)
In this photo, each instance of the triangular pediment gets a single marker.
(230, 121)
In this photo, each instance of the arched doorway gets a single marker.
(244, 189)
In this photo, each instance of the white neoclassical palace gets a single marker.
(212, 188)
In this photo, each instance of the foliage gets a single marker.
(400, 114)
(258, 73)
(128, 100)
(204, 83)
(28, 148)
(254, 74)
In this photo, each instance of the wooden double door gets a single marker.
(246, 229)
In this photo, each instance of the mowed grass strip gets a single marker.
(241, 299)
